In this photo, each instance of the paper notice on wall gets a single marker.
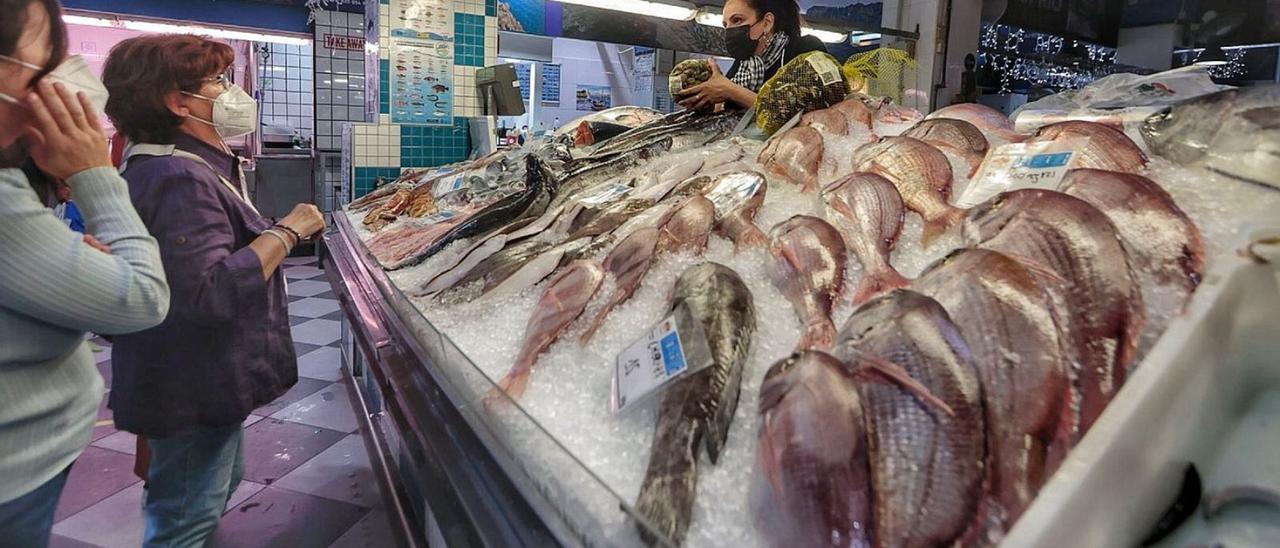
(422, 19)
(421, 82)
(550, 89)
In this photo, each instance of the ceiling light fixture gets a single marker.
(168, 28)
(653, 8)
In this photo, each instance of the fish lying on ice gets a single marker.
(1164, 245)
(738, 197)
(1105, 147)
(922, 175)
(951, 134)
(808, 268)
(827, 120)
(869, 212)
(1004, 314)
(687, 226)
(857, 113)
(1077, 255)
(811, 485)
(1235, 132)
(796, 154)
(627, 264)
(537, 267)
(561, 303)
(696, 411)
(926, 463)
(988, 120)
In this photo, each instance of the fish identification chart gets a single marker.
(421, 59)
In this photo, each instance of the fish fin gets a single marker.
(665, 504)
(819, 334)
(896, 374)
(515, 382)
(940, 225)
(877, 283)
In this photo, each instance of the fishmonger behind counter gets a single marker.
(761, 36)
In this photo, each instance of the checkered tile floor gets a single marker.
(307, 477)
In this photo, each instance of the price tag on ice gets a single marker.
(1019, 165)
(674, 347)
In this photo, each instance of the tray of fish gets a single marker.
(887, 368)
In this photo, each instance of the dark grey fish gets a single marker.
(1078, 257)
(812, 484)
(1164, 245)
(926, 463)
(539, 190)
(696, 411)
(1004, 315)
(502, 264)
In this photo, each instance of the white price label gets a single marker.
(1017, 165)
(604, 194)
(827, 70)
(672, 348)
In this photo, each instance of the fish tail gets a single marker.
(934, 228)
(666, 497)
(516, 381)
(878, 282)
(819, 334)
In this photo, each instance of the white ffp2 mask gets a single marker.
(74, 73)
(235, 113)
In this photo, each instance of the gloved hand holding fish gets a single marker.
(887, 368)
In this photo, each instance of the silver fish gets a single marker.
(869, 212)
(808, 268)
(956, 135)
(696, 411)
(1234, 132)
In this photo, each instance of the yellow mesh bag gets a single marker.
(882, 72)
(809, 82)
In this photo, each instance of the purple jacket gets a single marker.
(225, 348)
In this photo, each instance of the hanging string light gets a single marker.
(1018, 55)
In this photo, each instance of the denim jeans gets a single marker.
(190, 480)
(26, 521)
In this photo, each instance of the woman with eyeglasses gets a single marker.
(55, 287)
(761, 36)
(225, 349)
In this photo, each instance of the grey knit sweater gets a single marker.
(53, 289)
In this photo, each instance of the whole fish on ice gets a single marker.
(1077, 255)
(922, 175)
(1235, 132)
(926, 459)
(627, 264)
(795, 154)
(958, 136)
(737, 197)
(1004, 314)
(561, 303)
(811, 485)
(687, 227)
(1105, 147)
(808, 268)
(1164, 245)
(696, 410)
(869, 212)
(988, 120)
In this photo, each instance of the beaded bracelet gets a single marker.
(296, 237)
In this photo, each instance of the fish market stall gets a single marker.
(872, 325)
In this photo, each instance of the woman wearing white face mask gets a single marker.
(186, 385)
(53, 286)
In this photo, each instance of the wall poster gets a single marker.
(421, 57)
(594, 98)
(550, 88)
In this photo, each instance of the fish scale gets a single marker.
(922, 175)
(808, 267)
(870, 212)
(926, 465)
(1076, 253)
(1001, 311)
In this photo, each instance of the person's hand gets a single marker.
(94, 243)
(707, 94)
(305, 219)
(64, 135)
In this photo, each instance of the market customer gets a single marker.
(225, 349)
(53, 286)
(761, 36)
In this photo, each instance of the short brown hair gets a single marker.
(14, 23)
(141, 71)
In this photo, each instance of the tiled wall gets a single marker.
(382, 149)
(285, 78)
(340, 78)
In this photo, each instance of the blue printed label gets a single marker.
(1040, 161)
(672, 354)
